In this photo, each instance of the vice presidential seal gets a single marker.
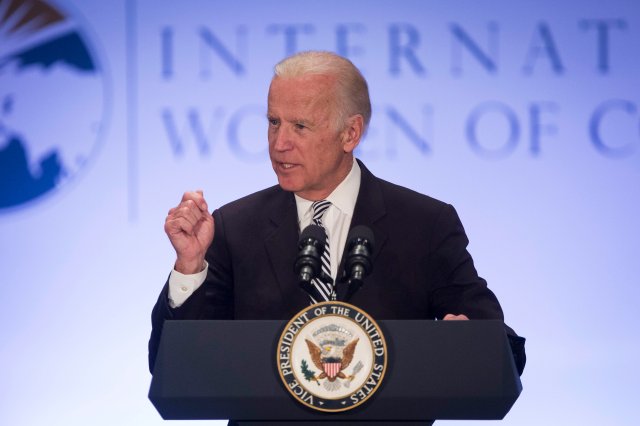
(332, 356)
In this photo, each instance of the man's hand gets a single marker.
(190, 229)
(451, 317)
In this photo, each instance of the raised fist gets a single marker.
(190, 229)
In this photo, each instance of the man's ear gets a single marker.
(352, 133)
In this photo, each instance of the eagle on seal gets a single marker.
(332, 359)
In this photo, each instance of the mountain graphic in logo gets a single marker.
(51, 101)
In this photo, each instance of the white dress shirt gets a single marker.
(337, 220)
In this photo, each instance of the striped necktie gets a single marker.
(324, 288)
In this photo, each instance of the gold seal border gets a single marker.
(332, 303)
(352, 323)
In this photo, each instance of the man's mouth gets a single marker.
(286, 166)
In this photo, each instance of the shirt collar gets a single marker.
(343, 197)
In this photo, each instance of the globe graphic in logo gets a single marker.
(51, 101)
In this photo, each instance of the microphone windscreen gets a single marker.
(361, 232)
(315, 232)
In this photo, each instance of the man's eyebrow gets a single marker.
(305, 121)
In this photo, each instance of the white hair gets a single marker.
(352, 94)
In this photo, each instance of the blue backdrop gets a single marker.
(525, 115)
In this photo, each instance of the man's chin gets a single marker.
(289, 186)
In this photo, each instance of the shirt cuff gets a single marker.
(182, 286)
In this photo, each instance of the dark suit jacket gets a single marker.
(422, 269)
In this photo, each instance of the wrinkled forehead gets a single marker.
(307, 89)
(311, 96)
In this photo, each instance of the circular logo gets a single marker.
(52, 101)
(332, 356)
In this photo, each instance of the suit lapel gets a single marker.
(370, 211)
(281, 241)
(281, 246)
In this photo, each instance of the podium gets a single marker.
(436, 370)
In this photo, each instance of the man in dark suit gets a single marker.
(318, 111)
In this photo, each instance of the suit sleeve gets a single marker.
(457, 287)
(212, 300)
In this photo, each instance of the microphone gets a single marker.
(360, 245)
(308, 263)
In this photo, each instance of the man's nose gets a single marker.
(283, 139)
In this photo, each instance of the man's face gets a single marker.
(309, 155)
